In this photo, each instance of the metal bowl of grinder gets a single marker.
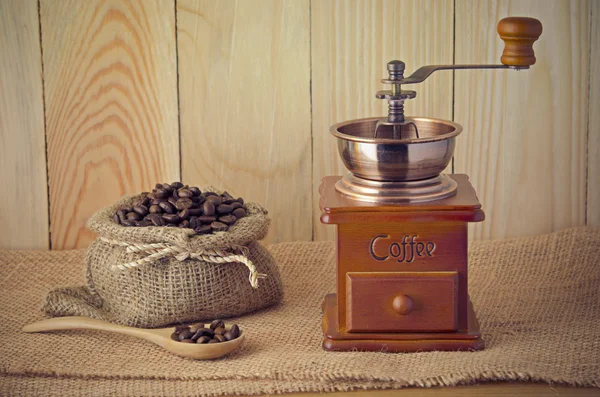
(397, 166)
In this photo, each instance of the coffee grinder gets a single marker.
(402, 274)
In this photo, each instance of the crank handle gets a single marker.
(518, 33)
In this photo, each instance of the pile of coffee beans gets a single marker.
(179, 205)
(199, 333)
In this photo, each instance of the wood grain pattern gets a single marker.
(24, 208)
(523, 144)
(245, 90)
(352, 41)
(244, 73)
(111, 106)
(593, 146)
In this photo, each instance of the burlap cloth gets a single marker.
(537, 299)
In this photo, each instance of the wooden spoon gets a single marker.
(160, 336)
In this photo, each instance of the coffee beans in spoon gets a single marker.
(215, 332)
(176, 204)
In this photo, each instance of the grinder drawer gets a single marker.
(401, 301)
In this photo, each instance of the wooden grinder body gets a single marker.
(402, 273)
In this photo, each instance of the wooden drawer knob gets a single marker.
(403, 304)
(518, 34)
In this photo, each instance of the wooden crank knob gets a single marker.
(403, 304)
(518, 34)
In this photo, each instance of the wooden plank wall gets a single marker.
(244, 73)
(524, 139)
(111, 106)
(24, 206)
(593, 146)
(112, 96)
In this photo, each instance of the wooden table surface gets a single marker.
(484, 389)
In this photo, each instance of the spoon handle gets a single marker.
(80, 322)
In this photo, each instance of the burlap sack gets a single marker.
(198, 277)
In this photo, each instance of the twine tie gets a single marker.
(157, 251)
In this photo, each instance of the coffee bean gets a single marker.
(195, 211)
(235, 331)
(184, 203)
(171, 218)
(203, 339)
(220, 338)
(204, 229)
(228, 219)
(209, 208)
(134, 216)
(142, 201)
(219, 227)
(197, 333)
(195, 336)
(157, 220)
(224, 209)
(217, 324)
(207, 219)
(155, 209)
(196, 327)
(206, 331)
(216, 200)
(161, 193)
(239, 213)
(183, 206)
(168, 208)
(184, 215)
(220, 331)
(185, 193)
(141, 209)
(186, 334)
(181, 328)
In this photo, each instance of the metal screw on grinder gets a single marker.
(396, 72)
